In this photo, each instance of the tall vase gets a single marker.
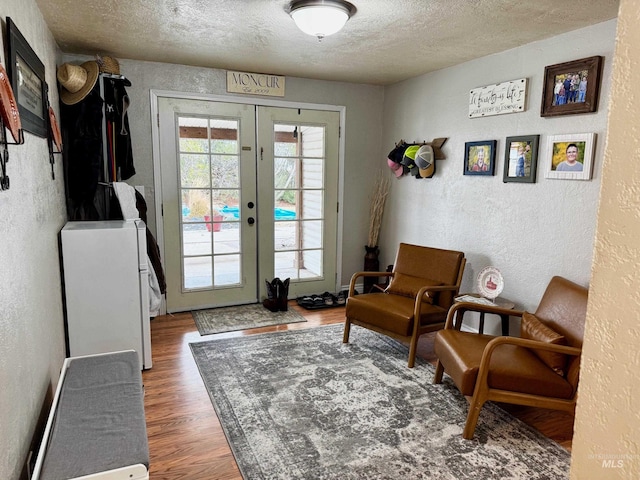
(371, 264)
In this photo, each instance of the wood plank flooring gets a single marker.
(186, 440)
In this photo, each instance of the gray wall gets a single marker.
(529, 231)
(32, 212)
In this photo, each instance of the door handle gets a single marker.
(251, 220)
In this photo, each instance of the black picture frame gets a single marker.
(588, 70)
(521, 172)
(28, 82)
(484, 150)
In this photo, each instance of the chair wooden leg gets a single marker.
(472, 418)
(347, 329)
(413, 348)
(437, 378)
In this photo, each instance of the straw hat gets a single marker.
(108, 64)
(77, 81)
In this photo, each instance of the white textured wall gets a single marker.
(529, 231)
(363, 131)
(32, 212)
(606, 443)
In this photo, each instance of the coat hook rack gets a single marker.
(53, 136)
(4, 155)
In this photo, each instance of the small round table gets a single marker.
(498, 302)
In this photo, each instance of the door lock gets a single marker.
(251, 220)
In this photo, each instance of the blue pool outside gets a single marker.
(278, 213)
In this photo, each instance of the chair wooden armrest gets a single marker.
(522, 342)
(463, 307)
(420, 296)
(355, 276)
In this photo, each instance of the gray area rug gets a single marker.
(303, 405)
(242, 317)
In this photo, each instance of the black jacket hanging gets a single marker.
(82, 137)
(118, 133)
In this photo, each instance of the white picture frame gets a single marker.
(559, 156)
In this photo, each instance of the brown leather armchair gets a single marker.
(422, 285)
(539, 369)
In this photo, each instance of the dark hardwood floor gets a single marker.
(186, 440)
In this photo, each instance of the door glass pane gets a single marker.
(196, 204)
(299, 195)
(197, 272)
(227, 269)
(311, 204)
(225, 171)
(210, 197)
(313, 141)
(286, 234)
(286, 175)
(194, 135)
(195, 240)
(194, 170)
(311, 234)
(312, 173)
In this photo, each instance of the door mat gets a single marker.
(242, 317)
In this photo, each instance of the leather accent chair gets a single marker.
(423, 284)
(538, 369)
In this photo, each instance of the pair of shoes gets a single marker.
(329, 299)
(342, 297)
(277, 295)
(271, 303)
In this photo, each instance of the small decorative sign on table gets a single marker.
(498, 99)
(490, 283)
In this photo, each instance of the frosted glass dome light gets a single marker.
(321, 18)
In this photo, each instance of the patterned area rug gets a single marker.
(243, 317)
(303, 405)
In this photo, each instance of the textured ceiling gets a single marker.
(385, 42)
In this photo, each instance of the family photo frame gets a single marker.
(28, 82)
(571, 87)
(480, 157)
(521, 159)
(570, 157)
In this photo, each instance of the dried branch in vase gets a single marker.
(378, 199)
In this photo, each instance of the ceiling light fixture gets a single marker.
(321, 18)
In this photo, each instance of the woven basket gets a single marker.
(108, 65)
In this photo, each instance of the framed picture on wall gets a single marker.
(570, 157)
(521, 159)
(28, 82)
(480, 157)
(571, 87)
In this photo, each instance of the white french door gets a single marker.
(298, 188)
(242, 204)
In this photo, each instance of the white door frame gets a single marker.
(154, 95)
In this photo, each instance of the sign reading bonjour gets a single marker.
(255, 84)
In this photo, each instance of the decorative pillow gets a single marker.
(408, 286)
(533, 329)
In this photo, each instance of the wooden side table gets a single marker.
(499, 302)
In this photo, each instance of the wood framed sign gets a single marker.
(571, 87)
(28, 82)
(498, 99)
(255, 84)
